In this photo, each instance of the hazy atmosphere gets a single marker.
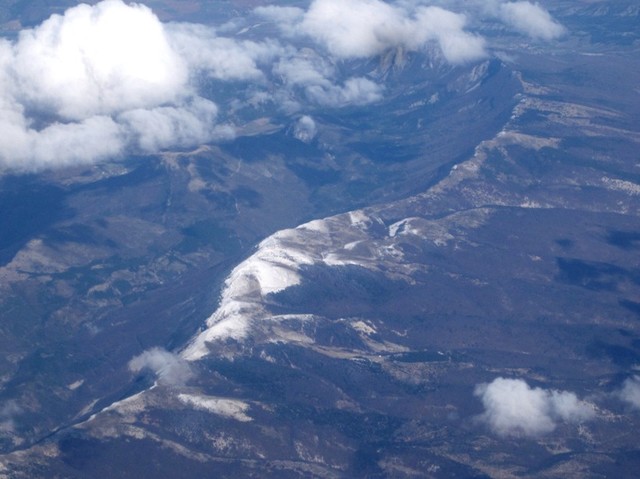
(332, 239)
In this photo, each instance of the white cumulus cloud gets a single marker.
(100, 80)
(513, 408)
(531, 19)
(97, 60)
(305, 129)
(170, 369)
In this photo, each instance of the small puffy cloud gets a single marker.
(170, 369)
(355, 91)
(530, 19)
(313, 75)
(305, 129)
(304, 69)
(630, 392)
(512, 408)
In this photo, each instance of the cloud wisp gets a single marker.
(630, 392)
(531, 20)
(8, 411)
(513, 408)
(314, 75)
(169, 369)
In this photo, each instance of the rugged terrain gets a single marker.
(330, 304)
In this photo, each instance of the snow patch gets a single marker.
(128, 406)
(229, 408)
(353, 238)
(75, 385)
(363, 327)
(319, 226)
(405, 227)
(621, 185)
(271, 269)
(358, 218)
